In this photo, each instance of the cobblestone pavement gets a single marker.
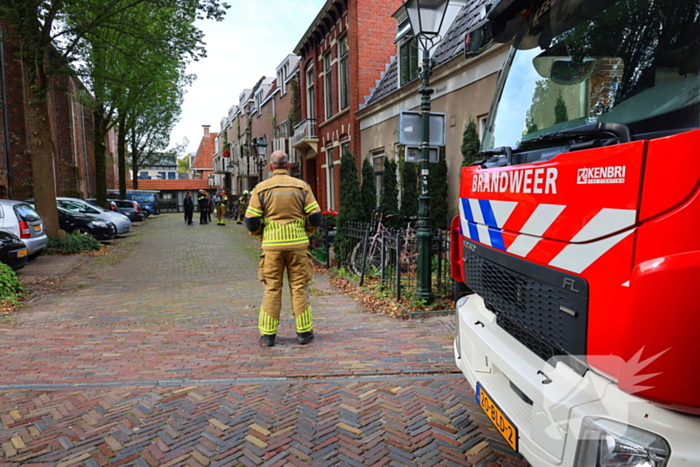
(149, 357)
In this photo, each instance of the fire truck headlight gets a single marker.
(605, 443)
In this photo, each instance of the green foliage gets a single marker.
(368, 192)
(11, 288)
(470, 143)
(183, 164)
(350, 200)
(438, 193)
(390, 193)
(560, 113)
(351, 209)
(294, 115)
(74, 244)
(409, 189)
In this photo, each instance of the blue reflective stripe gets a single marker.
(467, 210)
(497, 239)
(487, 213)
(473, 231)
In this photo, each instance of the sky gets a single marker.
(253, 39)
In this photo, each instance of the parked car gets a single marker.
(21, 220)
(130, 209)
(119, 220)
(147, 200)
(13, 252)
(85, 224)
(111, 206)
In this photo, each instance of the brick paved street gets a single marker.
(149, 357)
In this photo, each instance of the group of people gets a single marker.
(218, 203)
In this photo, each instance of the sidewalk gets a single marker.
(150, 357)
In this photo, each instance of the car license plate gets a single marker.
(22, 253)
(500, 421)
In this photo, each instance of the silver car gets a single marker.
(120, 221)
(19, 218)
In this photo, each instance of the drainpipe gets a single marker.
(4, 115)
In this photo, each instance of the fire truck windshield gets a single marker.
(577, 62)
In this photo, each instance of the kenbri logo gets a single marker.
(610, 174)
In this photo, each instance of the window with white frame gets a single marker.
(282, 78)
(408, 60)
(310, 100)
(407, 52)
(328, 85)
(378, 165)
(330, 179)
(481, 126)
(343, 72)
(285, 130)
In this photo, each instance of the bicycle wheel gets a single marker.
(355, 264)
(373, 263)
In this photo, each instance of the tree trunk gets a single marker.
(40, 144)
(100, 157)
(101, 130)
(121, 154)
(134, 164)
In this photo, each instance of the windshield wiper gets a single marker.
(616, 130)
(489, 153)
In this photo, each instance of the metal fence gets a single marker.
(389, 256)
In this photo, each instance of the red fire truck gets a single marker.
(579, 234)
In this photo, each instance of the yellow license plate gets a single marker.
(37, 228)
(21, 253)
(500, 421)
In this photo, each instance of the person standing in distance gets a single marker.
(221, 202)
(203, 203)
(283, 213)
(242, 207)
(189, 208)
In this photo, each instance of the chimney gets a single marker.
(206, 129)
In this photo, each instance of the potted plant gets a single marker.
(330, 218)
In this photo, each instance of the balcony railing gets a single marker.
(304, 131)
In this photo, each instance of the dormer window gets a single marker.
(408, 59)
(407, 51)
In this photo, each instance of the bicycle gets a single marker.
(409, 247)
(373, 258)
(231, 211)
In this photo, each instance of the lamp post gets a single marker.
(426, 17)
(261, 148)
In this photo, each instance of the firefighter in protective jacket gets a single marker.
(283, 213)
(221, 202)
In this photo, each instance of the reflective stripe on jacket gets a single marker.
(284, 203)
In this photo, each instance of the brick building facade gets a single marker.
(72, 131)
(342, 53)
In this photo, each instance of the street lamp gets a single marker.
(426, 17)
(261, 148)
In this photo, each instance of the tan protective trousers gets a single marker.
(271, 273)
(221, 214)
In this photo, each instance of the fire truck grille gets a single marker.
(548, 320)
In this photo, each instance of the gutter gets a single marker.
(314, 25)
